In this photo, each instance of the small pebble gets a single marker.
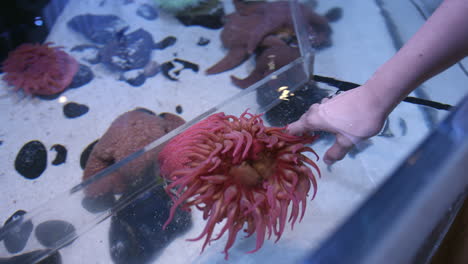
(179, 109)
(31, 160)
(166, 42)
(74, 110)
(50, 233)
(134, 77)
(61, 154)
(82, 77)
(17, 237)
(85, 154)
(203, 41)
(166, 67)
(147, 12)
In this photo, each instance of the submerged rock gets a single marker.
(129, 51)
(136, 234)
(100, 29)
(147, 12)
(74, 110)
(134, 77)
(86, 153)
(61, 154)
(31, 160)
(51, 233)
(20, 231)
(294, 104)
(82, 77)
(89, 53)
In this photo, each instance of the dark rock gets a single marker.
(145, 110)
(74, 110)
(85, 154)
(31, 257)
(187, 65)
(294, 104)
(31, 160)
(151, 69)
(334, 14)
(89, 53)
(203, 41)
(1, 142)
(166, 68)
(147, 12)
(166, 42)
(100, 29)
(136, 234)
(61, 154)
(82, 77)
(98, 204)
(19, 232)
(53, 232)
(212, 21)
(134, 77)
(178, 109)
(128, 52)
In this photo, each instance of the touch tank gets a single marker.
(171, 63)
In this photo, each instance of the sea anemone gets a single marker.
(39, 69)
(237, 169)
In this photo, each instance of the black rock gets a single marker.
(212, 21)
(31, 257)
(136, 234)
(178, 109)
(74, 110)
(61, 154)
(85, 154)
(98, 204)
(31, 160)
(147, 12)
(134, 77)
(187, 65)
(82, 77)
(130, 51)
(166, 68)
(1, 142)
(53, 232)
(293, 106)
(166, 42)
(145, 110)
(203, 41)
(100, 29)
(19, 232)
(89, 53)
(334, 14)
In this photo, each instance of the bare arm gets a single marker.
(360, 113)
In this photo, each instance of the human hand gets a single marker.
(351, 116)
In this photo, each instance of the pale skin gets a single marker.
(359, 114)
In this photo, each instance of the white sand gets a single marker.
(361, 44)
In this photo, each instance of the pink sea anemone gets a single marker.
(236, 169)
(39, 69)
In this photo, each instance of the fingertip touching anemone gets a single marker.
(39, 69)
(239, 170)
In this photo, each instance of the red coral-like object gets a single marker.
(237, 169)
(39, 69)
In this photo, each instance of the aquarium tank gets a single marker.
(153, 131)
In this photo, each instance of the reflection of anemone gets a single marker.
(237, 169)
(39, 69)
